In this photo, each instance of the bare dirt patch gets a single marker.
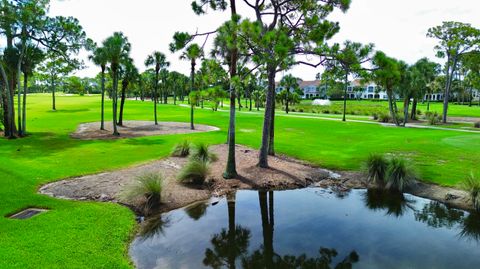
(91, 130)
(284, 173)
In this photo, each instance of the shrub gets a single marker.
(476, 124)
(202, 153)
(182, 149)
(300, 110)
(376, 166)
(419, 112)
(399, 174)
(385, 118)
(472, 185)
(195, 171)
(326, 111)
(149, 187)
(375, 116)
(432, 118)
(292, 110)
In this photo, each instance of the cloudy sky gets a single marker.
(395, 27)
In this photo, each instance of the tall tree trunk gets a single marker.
(24, 107)
(53, 94)
(122, 102)
(231, 169)
(114, 102)
(429, 96)
(102, 112)
(391, 107)
(192, 104)
(286, 101)
(19, 98)
(413, 115)
(239, 100)
(271, 141)
(471, 97)
(345, 98)
(447, 88)
(406, 104)
(155, 94)
(267, 122)
(7, 106)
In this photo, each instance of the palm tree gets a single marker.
(289, 82)
(192, 53)
(117, 49)
(159, 60)
(33, 57)
(130, 74)
(99, 57)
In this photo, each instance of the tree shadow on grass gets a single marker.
(68, 110)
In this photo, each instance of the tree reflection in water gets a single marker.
(393, 202)
(197, 211)
(438, 215)
(154, 226)
(232, 244)
(228, 245)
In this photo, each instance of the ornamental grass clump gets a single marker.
(147, 188)
(400, 174)
(433, 118)
(181, 149)
(376, 167)
(195, 171)
(384, 118)
(202, 152)
(472, 185)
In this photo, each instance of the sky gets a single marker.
(396, 27)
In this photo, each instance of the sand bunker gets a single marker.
(91, 131)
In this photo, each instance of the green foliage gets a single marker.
(384, 118)
(472, 185)
(399, 174)
(181, 149)
(148, 187)
(195, 171)
(377, 166)
(202, 153)
(476, 124)
(433, 118)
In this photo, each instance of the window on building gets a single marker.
(371, 88)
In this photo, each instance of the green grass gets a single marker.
(367, 107)
(96, 235)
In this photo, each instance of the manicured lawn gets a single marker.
(92, 235)
(366, 107)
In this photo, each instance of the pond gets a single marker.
(311, 228)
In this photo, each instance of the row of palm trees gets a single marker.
(113, 56)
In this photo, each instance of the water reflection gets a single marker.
(231, 244)
(196, 211)
(392, 202)
(471, 227)
(438, 215)
(228, 245)
(300, 229)
(154, 226)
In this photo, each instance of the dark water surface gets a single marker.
(311, 228)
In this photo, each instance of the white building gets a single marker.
(369, 90)
(310, 89)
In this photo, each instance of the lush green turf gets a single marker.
(366, 107)
(92, 235)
